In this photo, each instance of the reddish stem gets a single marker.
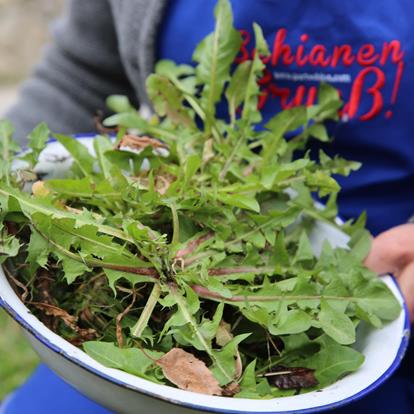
(146, 271)
(222, 271)
(192, 245)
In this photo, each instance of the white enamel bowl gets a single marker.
(126, 394)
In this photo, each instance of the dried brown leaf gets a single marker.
(223, 335)
(84, 335)
(231, 389)
(248, 170)
(98, 118)
(136, 142)
(208, 151)
(163, 182)
(59, 313)
(16, 283)
(188, 373)
(121, 316)
(292, 378)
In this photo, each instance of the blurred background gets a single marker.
(24, 30)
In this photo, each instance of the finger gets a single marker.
(406, 282)
(392, 250)
(382, 256)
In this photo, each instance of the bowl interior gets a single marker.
(378, 366)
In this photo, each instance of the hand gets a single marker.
(393, 252)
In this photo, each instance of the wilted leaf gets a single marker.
(188, 373)
(59, 313)
(168, 99)
(287, 378)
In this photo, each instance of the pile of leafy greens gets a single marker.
(179, 251)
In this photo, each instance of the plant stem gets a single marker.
(208, 253)
(142, 271)
(223, 271)
(208, 294)
(176, 225)
(147, 311)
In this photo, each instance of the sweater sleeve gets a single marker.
(78, 71)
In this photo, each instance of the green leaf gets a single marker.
(304, 287)
(280, 254)
(6, 129)
(319, 180)
(83, 188)
(244, 87)
(333, 361)
(368, 316)
(376, 298)
(7, 149)
(128, 120)
(131, 360)
(114, 276)
(184, 312)
(215, 54)
(338, 165)
(101, 144)
(286, 121)
(71, 268)
(360, 244)
(248, 380)
(180, 75)
(319, 132)
(329, 103)
(226, 358)
(293, 322)
(337, 288)
(168, 100)
(79, 152)
(304, 251)
(119, 103)
(38, 139)
(250, 112)
(37, 251)
(241, 201)
(336, 324)
(128, 161)
(236, 90)
(29, 206)
(9, 245)
(208, 329)
(193, 163)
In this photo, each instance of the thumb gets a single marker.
(406, 282)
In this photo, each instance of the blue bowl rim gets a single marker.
(387, 374)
